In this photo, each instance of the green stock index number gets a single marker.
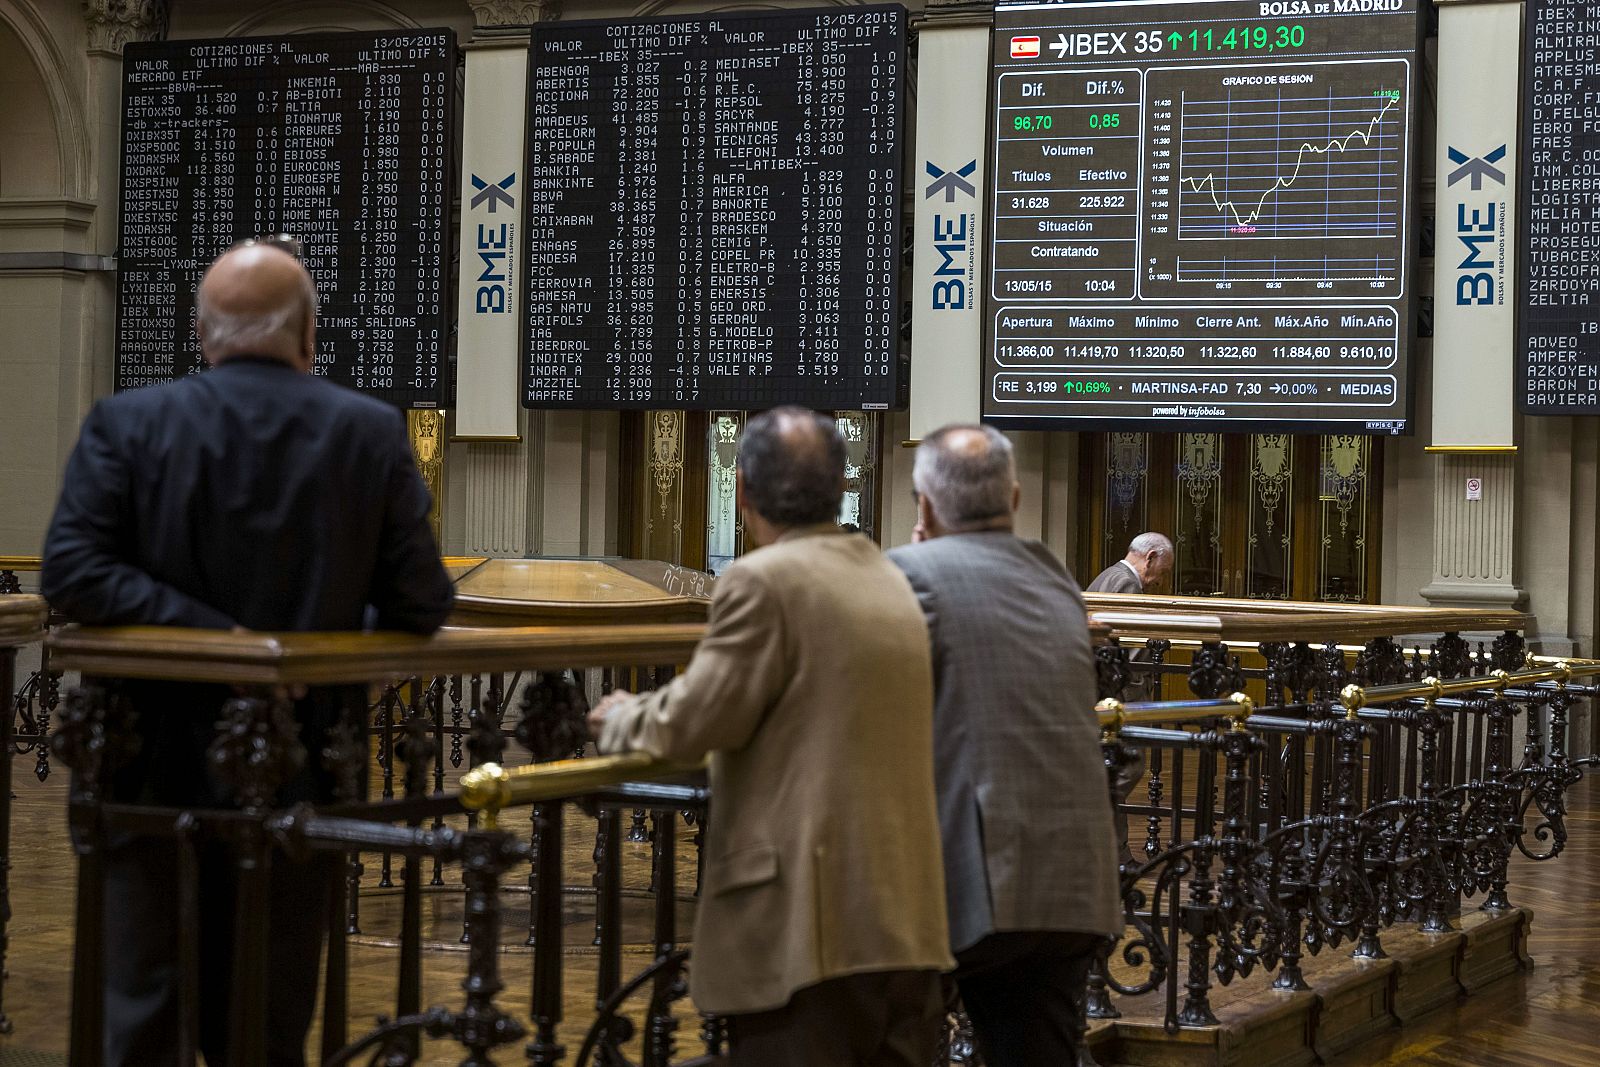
(1222, 39)
(1240, 39)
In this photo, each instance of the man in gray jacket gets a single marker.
(1024, 808)
(1145, 568)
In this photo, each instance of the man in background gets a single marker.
(1145, 569)
(254, 496)
(1029, 858)
(821, 927)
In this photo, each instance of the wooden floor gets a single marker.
(1548, 1016)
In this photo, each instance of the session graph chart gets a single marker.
(1295, 179)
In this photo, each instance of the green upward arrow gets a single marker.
(1176, 38)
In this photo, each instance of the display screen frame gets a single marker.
(1407, 306)
(431, 397)
(894, 393)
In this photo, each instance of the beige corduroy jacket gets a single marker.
(812, 690)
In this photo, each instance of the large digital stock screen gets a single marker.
(713, 215)
(1558, 350)
(343, 141)
(1200, 215)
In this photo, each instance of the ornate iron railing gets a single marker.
(1364, 786)
(1343, 809)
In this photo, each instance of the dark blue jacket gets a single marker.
(251, 495)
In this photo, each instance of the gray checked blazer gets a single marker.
(1024, 805)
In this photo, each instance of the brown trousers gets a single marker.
(883, 1019)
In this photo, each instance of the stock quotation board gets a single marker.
(713, 211)
(1558, 357)
(1199, 215)
(342, 141)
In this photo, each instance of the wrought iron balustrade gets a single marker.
(1365, 784)
(1343, 809)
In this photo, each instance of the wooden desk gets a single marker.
(1222, 619)
(550, 592)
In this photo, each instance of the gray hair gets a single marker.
(965, 486)
(1148, 542)
(225, 333)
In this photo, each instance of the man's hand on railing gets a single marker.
(598, 713)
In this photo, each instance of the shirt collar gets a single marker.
(820, 529)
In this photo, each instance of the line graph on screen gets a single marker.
(1266, 165)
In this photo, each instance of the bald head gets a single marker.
(966, 480)
(791, 467)
(257, 300)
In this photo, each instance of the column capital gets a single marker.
(955, 13)
(513, 14)
(114, 23)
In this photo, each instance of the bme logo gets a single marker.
(496, 194)
(1479, 229)
(952, 236)
(495, 242)
(1477, 168)
(950, 182)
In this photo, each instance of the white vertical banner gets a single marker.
(488, 372)
(947, 264)
(1475, 237)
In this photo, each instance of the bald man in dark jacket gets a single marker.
(253, 496)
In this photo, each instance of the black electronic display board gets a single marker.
(343, 141)
(713, 217)
(1558, 306)
(1200, 215)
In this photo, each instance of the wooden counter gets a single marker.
(1222, 619)
(548, 592)
(22, 621)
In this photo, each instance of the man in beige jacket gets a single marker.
(821, 926)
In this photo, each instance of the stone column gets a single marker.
(1475, 424)
(552, 490)
(1474, 534)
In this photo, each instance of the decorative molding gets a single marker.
(311, 16)
(1127, 461)
(665, 7)
(427, 428)
(513, 14)
(72, 261)
(114, 23)
(66, 94)
(666, 454)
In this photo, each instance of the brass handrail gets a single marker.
(490, 788)
(1355, 697)
(1114, 714)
